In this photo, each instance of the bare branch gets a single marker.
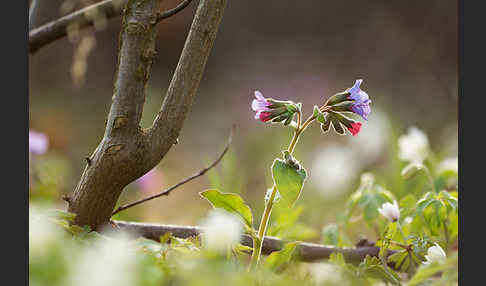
(57, 29)
(186, 78)
(307, 252)
(34, 4)
(166, 192)
(173, 11)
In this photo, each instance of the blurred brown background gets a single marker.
(406, 52)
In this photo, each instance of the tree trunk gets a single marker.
(126, 152)
(121, 156)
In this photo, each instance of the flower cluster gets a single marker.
(361, 102)
(271, 109)
(352, 100)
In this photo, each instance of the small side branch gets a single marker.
(186, 180)
(57, 29)
(308, 252)
(173, 11)
(32, 12)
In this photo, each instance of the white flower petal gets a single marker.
(221, 230)
(413, 146)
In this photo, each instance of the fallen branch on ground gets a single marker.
(307, 252)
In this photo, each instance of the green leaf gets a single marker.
(425, 272)
(370, 201)
(165, 237)
(407, 205)
(242, 248)
(411, 170)
(279, 260)
(321, 118)
(232, 203)
(58, 214)
(391, 230)
(330, 234)
(288, 179)
(372, 267)
(398, 258)
(337, 259)
(448, 199)
(316, 111)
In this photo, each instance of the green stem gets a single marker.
(446, 233)
(429, 176)
(258, 242)
(401, 232)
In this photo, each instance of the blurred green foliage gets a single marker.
(59, 252)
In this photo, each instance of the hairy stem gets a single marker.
(255, 258)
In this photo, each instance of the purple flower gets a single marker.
(150, 182)
(38, 142)
(361, 105)
(260, 104)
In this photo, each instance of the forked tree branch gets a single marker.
(307, 252)
(167, 191)
(57, 29)
(121, 155)
(126, 151)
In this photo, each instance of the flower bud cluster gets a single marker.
(275, 110)
(352, 100)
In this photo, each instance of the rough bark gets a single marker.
(120, 157)
(188, 74)
(308, 252)
(126, 152)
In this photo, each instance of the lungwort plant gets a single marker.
(287, 172)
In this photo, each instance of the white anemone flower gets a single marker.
(372, 141)
(435, 254)
(42, 232)
(390, 211)
(109, 261)
(334, 169)
(328, 273)
(449, 164)
(221, 230)
(413, 146)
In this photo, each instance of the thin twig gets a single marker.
(45, 34)
(307, 252)
(32, 11)
(173, 11)
(166, 192)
